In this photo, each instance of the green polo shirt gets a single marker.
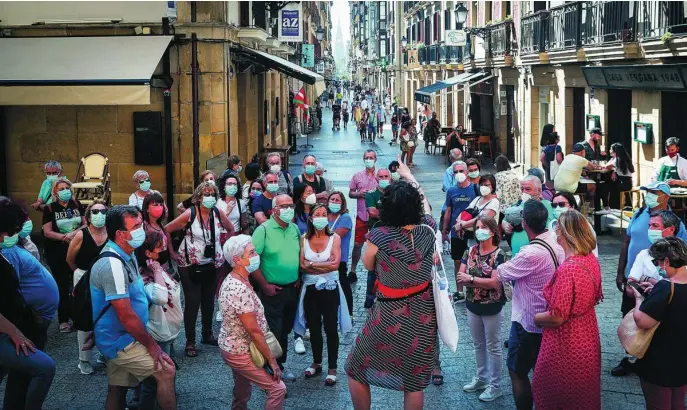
(279, 251)
(373, 200)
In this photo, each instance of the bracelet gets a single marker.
(472, 279)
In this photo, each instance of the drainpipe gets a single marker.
(3, 152)
(193, 12)
(167, 112)
(229, 76)
(194, 102)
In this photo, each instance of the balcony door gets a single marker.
(510, 122)
(619, 128)
(578, 127)
(673, 118)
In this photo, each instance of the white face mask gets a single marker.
(484, 190)
(310, 199)
(525, 197)
(275, 168)
(461, 177)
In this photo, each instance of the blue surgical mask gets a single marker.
(253, 263)
(482, 234)
(255, 194)
(138, 236)
(144, 186)
(334, 207)
(383, 183)
(231, 190)
(98, 220)
(209, 201)
(9, 241)
(395, 176)
(310, 169)
(655, 235)
(320, 222)
(240, 168)
(272, 188)
(661, 272)
(286, 215)
(369, 163)
(52, 177)
(651, 200)
(26, 229)
(557, 212)
(64, 195)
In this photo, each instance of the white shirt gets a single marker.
(364, 104)
(234, 216)
(680, 162)
(643, 268)
(569, 173)
(491, 205)
(137, 201)
(614, 162)
(164, 320)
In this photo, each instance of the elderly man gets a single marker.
(662, 224)
(373, 203)
(528, 271)
(262, 205)
(277, 241)
(638, 239)
(273, 161)
(53, 170)
(531, 189)
(362, 182)
(120, 312)
(308, 177)
(458, 197)
(319, 171)
(449, 179)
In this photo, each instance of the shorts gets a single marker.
(131, 366)
(361, 230)
(458, 248)
(523, 349)
(394, 128)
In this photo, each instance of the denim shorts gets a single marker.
(523, 349)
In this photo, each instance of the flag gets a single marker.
(301, 100)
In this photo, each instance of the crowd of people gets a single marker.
(272, 253)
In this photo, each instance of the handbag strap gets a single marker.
(548, 248)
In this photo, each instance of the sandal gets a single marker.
(438, 379)
(330, 380)
(311, 372)
(209, 340)
(190, 349)
(66, 328)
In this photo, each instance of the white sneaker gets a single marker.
(474, 385)
(299, 346)
(85, 367)
(306, 336)
(218, 316)
(490, 394)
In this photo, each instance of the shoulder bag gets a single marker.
(274, 346)
(636, 341)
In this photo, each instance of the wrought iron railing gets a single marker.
(432, 53)
(500, 39)
(422, 55)
(405, 58)
(532, 32)
(563, 26)
(656, 18)
(607, 21)
(454, 54)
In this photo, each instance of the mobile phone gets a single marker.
(636, 286)
(268, 369)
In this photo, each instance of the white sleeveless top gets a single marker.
(194, 244)
(313, 256)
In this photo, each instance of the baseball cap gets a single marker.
(578, 147)
(657, 186)
(596, 130)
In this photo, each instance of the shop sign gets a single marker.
(308, 59)
(290, 27)
(649, 77)
(320, 68)
(412, 59)
(456, 38)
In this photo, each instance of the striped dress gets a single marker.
(395, 349)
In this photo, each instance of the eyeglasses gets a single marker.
(286, 206)
(208, 194)
(144, 180)
(52, 173)
(655, 262)
(98, 211)
(559, 204)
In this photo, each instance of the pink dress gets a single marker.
(568, 371)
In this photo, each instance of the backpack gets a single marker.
(82, 304)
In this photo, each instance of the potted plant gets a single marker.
(667, 38)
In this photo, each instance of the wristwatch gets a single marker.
(472, 279)
(310, 264)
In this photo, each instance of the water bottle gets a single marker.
(443, 282)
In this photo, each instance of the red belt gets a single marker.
(394, 293)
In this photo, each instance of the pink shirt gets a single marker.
(530, 270)
(363, 181)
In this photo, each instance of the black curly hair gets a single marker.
(402, 204)
(221, 184)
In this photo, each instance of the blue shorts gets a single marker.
(523, 349)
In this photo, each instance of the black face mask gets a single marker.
(163, 257)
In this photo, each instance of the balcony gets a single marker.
(563, 27)
(454, 54)
(422, 55)
(500, 35)
(531, 33)
(249, 35)
(607, 22)
(657, 18)
(432, 54)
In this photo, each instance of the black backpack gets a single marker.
(82, 305)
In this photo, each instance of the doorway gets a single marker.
(673, 118)
(578, 127)
(510, 127)
(619, 127)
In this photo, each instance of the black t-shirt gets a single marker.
(318, 185)
(64, 219)
(665, 362)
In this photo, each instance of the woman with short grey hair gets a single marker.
(53, 170)
(142, 182)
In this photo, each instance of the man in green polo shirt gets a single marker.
(373, 203)
(277, 241)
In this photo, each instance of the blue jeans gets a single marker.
(29, 377)
(148, 398)
(369, 290)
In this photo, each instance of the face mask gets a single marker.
(138, 236)
(320, 222)
(275, 168)
(310, 199)
(310, 169)
(525, 197)
(651, 200)
(52, 177)
(473, 174)
(26, 229)
(255, 194)
(211, 181)
(395, 176)
(144, 186)
(156, 211)
(461, 177)
(384, 183)
(64, 195)
(557, 212)
(231, 190)
(655, 235)
(239, 169)
(672, 154)
(661, 272)
(286, 215)
(209, 201)
(484, 190)
(334, 207)
(253, 263)
(273, 188)
(482, 234)
(10, 241)
(98, 220)
(369, 163)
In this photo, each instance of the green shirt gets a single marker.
(46, 191)
(373, 200)
(279, 251)
(520, 239)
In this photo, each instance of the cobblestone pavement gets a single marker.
(205, 382)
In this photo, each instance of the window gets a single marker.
(447, 20)
(382, 24)
(244, 14)
(277, 111)
(382, 48)
(382, 9)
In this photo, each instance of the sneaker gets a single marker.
(459, 297)
(490, 394)
(474, 385)
(623, 368)
(352, 277)
(85, 367)
(100, 359)
(299, 346)
(218, 316)
(306, 336)
(287, 376)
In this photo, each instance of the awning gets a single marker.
(425, 94)
(283, 66)
(113, 70)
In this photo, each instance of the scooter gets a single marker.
(337, 121)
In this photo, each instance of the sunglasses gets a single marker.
(98, 211)
(144, 180)
(559, 204)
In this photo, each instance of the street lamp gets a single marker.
(461, 13)
(404, 41)
(319, 34)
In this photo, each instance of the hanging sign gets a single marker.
(456, 38)
(290, 27)
(308, 58)
(320, 68)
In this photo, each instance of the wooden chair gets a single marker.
(484, 140)
(440, 143)
(623, 195)
(92, 179)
